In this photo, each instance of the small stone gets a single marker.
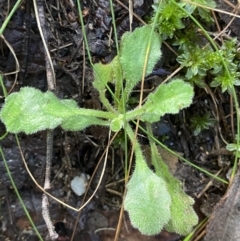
(79, 184)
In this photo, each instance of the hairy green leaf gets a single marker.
(147, 200)
(168, 98)
(59, 108)
(105, 74)
(183, 216)
(30, 110)
(133, 50)
(24, 111)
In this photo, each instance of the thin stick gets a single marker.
(40, 17)
(48, 159)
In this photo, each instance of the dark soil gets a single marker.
(80, 152)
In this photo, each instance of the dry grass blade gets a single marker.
(17, 63)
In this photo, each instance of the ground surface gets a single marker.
(79, 152)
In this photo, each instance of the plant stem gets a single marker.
(137, 147)
(95, 113)
(5, 23)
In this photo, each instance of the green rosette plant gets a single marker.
(154, 200)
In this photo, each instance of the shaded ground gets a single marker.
(79, 152)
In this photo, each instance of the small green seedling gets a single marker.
(154, 200)
(202, 61)
(199, 123)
